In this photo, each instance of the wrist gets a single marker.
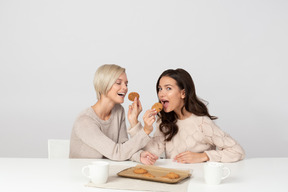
(147, 131)
(133, 123)
(205, 157)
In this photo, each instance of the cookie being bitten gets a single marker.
(157, 106)
(132, 96)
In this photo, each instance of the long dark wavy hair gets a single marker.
(192, 103)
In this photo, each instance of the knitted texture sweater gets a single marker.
(196, 134)
(93, 137)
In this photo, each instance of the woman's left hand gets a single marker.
(134, 111)
(148, 158)
(191, 157)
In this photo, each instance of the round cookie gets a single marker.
(157, 106)
(140, 171)
(132, 96)
(172, 175)
(148, 175)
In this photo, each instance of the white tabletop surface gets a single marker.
(36, 174)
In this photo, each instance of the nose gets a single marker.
(160, 94)
(124, 87)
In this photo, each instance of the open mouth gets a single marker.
(121, 94)
(165, 103)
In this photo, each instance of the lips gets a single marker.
(121, 94)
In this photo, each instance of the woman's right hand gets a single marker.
(148, 158)
(149, 118)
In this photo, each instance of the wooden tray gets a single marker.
(158, 172)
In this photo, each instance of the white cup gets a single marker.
(98, 172)
(214, 172)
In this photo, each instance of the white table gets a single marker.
(38, 175)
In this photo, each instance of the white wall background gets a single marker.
(236, 52)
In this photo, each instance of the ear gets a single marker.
(183, 95)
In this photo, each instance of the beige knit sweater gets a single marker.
(93, 137)
(196, 134)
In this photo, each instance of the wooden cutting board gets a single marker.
(157, 172)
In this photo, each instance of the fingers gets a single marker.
(181, 160)
(135, 102)
(151, 160)
(130, 109)
(147, 158)
(151, 155)
(182, 157)
(139, 105)
(150, 113)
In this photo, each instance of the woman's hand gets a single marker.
(148, 158)
(191, 157)
(149, 118)
(134, 111)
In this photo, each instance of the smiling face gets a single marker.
(170, 95)
(119, 89)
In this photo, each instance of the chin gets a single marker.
(167, 110)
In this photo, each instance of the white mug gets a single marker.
(214, 172)
(98, 172)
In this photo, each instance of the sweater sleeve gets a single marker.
(90, 133)
(227, 149)
(156, 145)
(123, 136)
(133, 130)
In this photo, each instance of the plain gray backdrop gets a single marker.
(236, 52)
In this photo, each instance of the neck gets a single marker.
(103, 108)
(183, 115)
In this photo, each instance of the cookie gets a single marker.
(157, 106)
(140, 171)
(132, 96)
(148, 175)
(171, 175)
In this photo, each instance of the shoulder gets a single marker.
(208, 127)
(201, 120)
(88, 112)
(85, 116)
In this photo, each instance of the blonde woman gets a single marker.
(100, 130)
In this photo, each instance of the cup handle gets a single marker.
(84, 172)
(227, 171)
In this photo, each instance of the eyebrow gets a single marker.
(119, 79)
(166, 85)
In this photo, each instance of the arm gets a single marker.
(156, 146)
(89, 131)
(149, 118)
(228, 150)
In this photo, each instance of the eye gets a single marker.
(159, 89)
(168, 88)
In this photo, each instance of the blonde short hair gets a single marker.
(105, 76)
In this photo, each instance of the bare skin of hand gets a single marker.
(134, 111)
(191, 157)
(149, 118)
(148, 158)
